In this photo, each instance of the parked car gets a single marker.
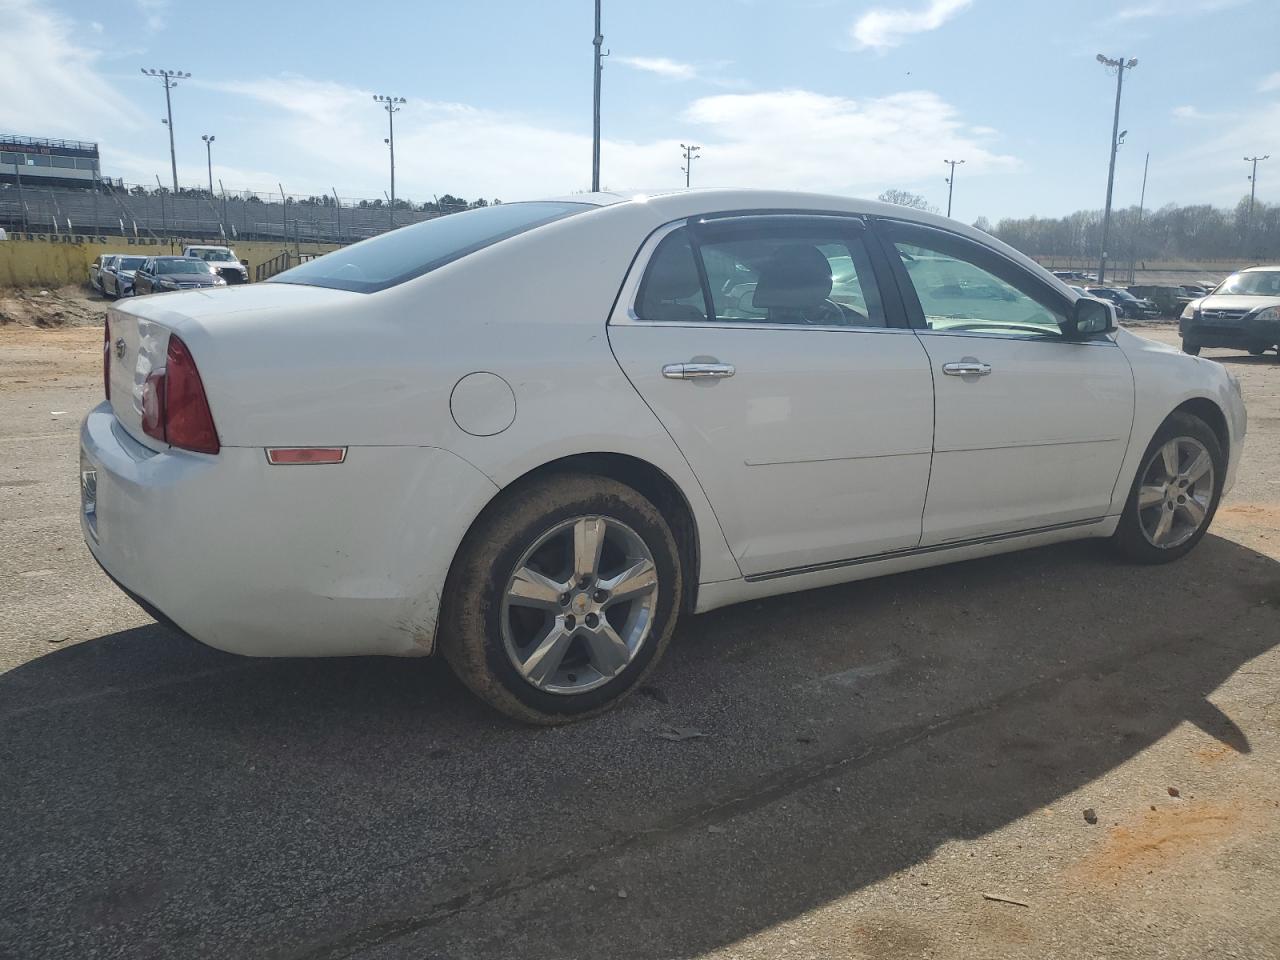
(95, 271)
(1195, 290)
(1169, 300)
(530, 436)
(1074, 275)
(1242, 313)
(117, 276)
(160, 274)
(1128, 307)
(223, 260)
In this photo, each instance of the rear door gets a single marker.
(1031, 427)
(791, 384)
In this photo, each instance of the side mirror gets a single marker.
(1089, 318)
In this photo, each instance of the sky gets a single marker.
(835, 96)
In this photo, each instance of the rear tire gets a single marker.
(1257, 351)
(1174, 497)
(539, 630)
(1190, 347)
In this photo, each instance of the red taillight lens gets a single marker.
(106, 358)
(174, 407)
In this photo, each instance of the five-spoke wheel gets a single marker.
(563, 597)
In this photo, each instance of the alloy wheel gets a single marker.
(579, 605)
(1175, 493)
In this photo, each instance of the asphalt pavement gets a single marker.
(895, 768)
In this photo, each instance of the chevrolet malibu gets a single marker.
(531, 436)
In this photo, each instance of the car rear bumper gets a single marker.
(328, 560)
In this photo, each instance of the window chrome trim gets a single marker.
(1104, 341)
(624, 310)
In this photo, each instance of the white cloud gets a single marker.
(1188, 112)
(333, 134)
(153, 14)
(1270, 83)
(882, 28)
(1173, 8)
(662, 66)
(51, 84)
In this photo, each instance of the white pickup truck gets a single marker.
(223, 260)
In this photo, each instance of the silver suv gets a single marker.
(1242, 312)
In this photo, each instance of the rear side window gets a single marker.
(392, 258)
(672, 290)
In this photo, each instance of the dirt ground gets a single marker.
(906, 767)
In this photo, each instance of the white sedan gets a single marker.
(530, 436)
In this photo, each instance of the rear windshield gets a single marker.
(220, 256)
(181, 266)
(391, 258)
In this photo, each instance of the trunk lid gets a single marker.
(223, 325)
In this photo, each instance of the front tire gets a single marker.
(562, 598)
(1190, 347)
(1175, 493)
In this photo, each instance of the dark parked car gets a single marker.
(1128, 307)
(117, 275)
(160, 274)
(1243, 312)
(1171, 300)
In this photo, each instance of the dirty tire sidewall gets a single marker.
(1128, 538)
(471, 628)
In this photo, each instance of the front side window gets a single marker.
(964, 288)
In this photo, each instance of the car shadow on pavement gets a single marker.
(162, 799)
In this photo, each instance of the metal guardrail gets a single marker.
(269, 268)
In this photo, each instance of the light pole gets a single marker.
(951, 181)
(1253, 187)
(596, 41)
(208, 139)
(391, 105)
(170, 80)
(1121, 66)
(690, 155)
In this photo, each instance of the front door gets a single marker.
(793, 388)
(1031, 427)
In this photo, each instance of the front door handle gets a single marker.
(698, 371)
(966, 368)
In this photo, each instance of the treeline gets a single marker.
(445, 203)
(1199, 232)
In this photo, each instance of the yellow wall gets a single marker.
(53, 263)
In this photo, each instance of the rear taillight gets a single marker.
(106, 358)
(174, 407)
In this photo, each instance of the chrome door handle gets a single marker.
(698, 371)
(966, 368)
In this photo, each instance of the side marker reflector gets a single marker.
(279, 456)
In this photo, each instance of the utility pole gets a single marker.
(170, 80)
(1253, 190)
(1142, 203)
(690, 155)
(951, 181)
(597, 41)
(391, 105)
(1121, 66)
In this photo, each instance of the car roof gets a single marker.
(672, 205)
(1261, 269)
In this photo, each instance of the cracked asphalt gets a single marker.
(877, 758)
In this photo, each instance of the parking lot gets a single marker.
(895, 768)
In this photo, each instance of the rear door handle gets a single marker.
(698, 371)
(966, 368)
